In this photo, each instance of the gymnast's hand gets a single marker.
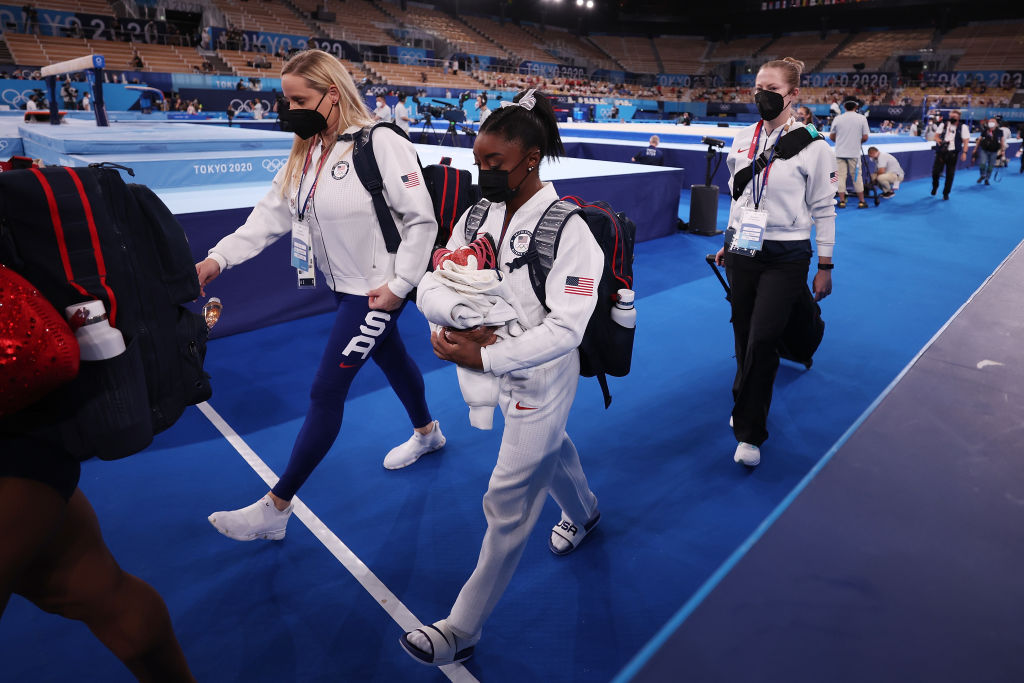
(483, 335)
(463, 352)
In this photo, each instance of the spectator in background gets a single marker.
(481, 107)
(382, 112)
(240, 85)
(402, 114)
(915, 129)
(652, 156)
(849, 132)
(87, 101)
(805, 116)
(231, 114)
(257, 109)
(137, 60)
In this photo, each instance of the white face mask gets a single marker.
(991, 124)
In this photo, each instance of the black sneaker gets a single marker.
(979, 180)
(934, 190)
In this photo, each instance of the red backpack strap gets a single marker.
(62, 241)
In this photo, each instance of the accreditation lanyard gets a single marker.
(758, 193)
(316, 180)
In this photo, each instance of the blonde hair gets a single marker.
(322, 70)
(655, 140)
(789, 66)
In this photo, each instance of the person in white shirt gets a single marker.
(951, 141)
(31, 104)
(87, 102)
(402, 114)
(889, 173)
(382, 112)
(319, 200)
(769, 284)
(481, 107)
(849, 131)
(538, 371)
(257, 110)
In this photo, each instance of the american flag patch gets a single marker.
(411, 180)
(832, 177)
(584, 286)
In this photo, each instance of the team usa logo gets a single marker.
(520, 242)
(340, 170)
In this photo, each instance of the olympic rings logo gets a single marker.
(239, 105)
(13, 97)
(273, 165)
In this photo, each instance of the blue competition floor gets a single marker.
(674, 504)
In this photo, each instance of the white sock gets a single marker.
(557, 540)
(419, 641)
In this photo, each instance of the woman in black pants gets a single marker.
(768, 246)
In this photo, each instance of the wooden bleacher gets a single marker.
(873, 48)
(989, 46)
(263, 15)
(512, 39)
(358, 21)
(99, 7)
(682, 54)
(563, 41)
(409, 75)
(741, 48)
(633, 52)
(810, 48)
(240, 63)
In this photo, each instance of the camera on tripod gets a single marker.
(712, 142)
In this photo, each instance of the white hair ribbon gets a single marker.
(527, 101)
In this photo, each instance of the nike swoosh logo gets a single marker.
(342, 365)
(520, 406)
(742, 150)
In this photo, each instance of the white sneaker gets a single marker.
(748, 454)
(262, 519)
(418, 444)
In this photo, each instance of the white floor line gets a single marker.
(366, 578)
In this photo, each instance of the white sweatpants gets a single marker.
(536, 457)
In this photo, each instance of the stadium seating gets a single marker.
(263, 15)
(635, 53)
(987, 46)
(99, 7)
(873, 48)
(810, 48)
(563, 43)
(514, 40)
(357, 21)
(411, 75)
(733, 50)
(681, 54)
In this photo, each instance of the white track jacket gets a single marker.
(800, 191)
(348, 246)
(550, 334)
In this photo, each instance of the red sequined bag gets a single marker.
(38, 350)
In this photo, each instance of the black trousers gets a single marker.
(945, 159)
(766, 293)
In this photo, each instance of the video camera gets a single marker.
(712, 142)
(446, 111)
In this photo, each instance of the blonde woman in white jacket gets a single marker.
(781, 203)
(319, 200)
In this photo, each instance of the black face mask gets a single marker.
(494, 183)
(769, 104)
(303, 122)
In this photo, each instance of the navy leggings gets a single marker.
(358, 333)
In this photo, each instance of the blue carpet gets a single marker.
(674, 504)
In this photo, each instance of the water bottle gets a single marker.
(97, 340)
(623, 312)
(211, 311)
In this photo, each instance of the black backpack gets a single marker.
(607, 347)
(82, 233)
(451, 189)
